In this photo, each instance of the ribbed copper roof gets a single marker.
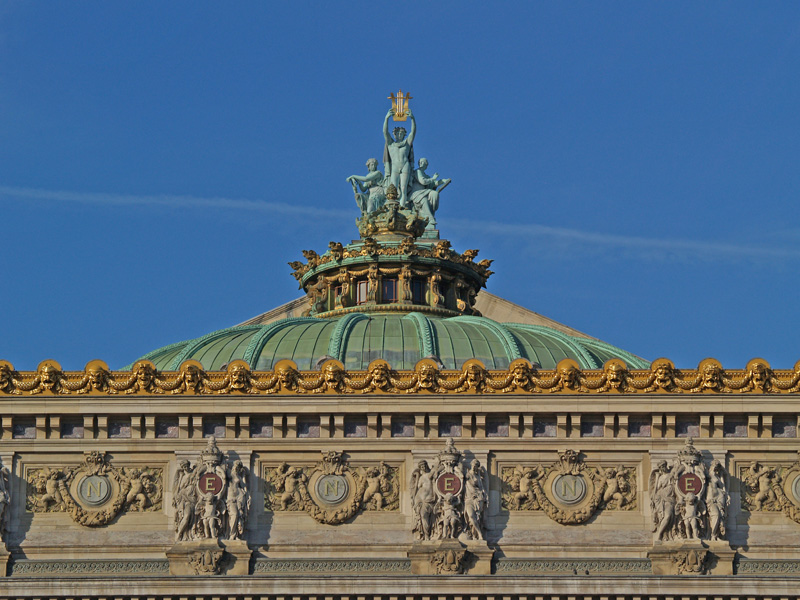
(356, 339)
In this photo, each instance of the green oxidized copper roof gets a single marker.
(356, 339)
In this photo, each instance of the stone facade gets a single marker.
(577, 504)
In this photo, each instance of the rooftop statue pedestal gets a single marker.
(210, 557)
(692, 557)
(451, 557)
(4, 556)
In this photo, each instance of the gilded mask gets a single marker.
(239, 377)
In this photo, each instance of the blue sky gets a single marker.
(632, 168)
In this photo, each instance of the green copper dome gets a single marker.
(356, 339)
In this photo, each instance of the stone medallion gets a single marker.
(689, 483)
(569, 489)
(332, 489)
(448, 483)
(210, 483)
(796, 489)
(94, 490)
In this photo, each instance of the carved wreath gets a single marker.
(94, 493)
(529, 488)
(294, 488)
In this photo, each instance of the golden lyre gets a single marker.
(400, 105)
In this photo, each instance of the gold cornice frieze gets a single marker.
(371, 250)
(389, 308)
(521, 378)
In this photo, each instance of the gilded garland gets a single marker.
(380, 378)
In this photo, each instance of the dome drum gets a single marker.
(373, 276)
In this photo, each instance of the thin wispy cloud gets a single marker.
(169, 201)
(690, 249)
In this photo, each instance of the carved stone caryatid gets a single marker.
(448, 499)
(689, 499)
(5, 501)
(95, 492)
(211, 499)
(475, 500)
(569, 491)
(332, 491)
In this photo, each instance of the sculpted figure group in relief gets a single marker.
(332, 491)
(415, 190)
(449, 499)
(211, 499)
(689, 499)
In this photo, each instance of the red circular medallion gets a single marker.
(448, 483)
(210, 483)
(690, 483)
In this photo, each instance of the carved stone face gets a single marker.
(758, 375)
(663, 375)
(569, 376)
(191, 375)
(427, 376)
(144, 374)
(183, 465)
(48, 375)
(690, 459)
(287, 377)
(521, 375)
(614, 375)
(474, 375)
(332, 375)
(97, 378)
(380, 375)
(711, 377)
(423, 466)
(238, 377)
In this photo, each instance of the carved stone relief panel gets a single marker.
(771, 487)
(569, 491)
(331, 491)
(689, 497)
(95, 492)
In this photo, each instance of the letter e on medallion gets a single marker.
(448, 483)
(690, 483)
(210, 483)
